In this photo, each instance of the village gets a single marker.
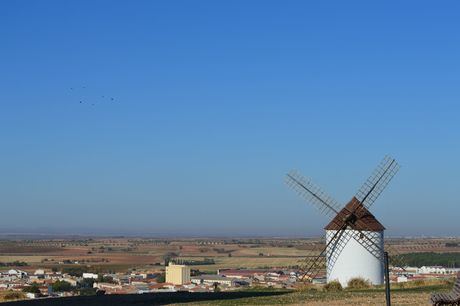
(44, 283)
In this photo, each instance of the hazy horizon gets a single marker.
(184, 117)
(58, 233)
(175, 233)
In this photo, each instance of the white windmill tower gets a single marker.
(354, 238)
(354, 259)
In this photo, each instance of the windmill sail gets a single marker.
(326, 259)
(358, 223)
(312, 193)
(362, 222)
(354, 221)
(377, 182)
(316, 264)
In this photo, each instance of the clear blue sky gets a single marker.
(214, 102)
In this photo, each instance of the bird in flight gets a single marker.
(75, 90)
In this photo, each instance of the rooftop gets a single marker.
(365, 220)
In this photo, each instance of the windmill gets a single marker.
(354, 237)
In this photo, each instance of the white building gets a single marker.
(108, 287)
(401, 279)
(31, 295)
(39, 272)
(213, 279)
(17, 273)
(432, 270)
(346, 257)
(71, 281)
(90, 275)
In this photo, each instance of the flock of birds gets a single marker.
(90, 101)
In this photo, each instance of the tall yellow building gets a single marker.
(177, 274)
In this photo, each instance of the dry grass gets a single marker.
(8, 296)
(418, 294)
(318, 298)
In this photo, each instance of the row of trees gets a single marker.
(85, 286)
(432, 259)
(78, 271)
(205, 261)
(14, 264)
(57, 286)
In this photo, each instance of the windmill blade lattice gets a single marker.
(366, 196)
(377, 182)
(354, 221)
(328, 255)
(336, 248)
(312, 193)
(396, 259)
(314, 265)
(314, 262)
(365, 238)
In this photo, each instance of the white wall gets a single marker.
(355, 260)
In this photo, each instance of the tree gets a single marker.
(105, 279)
(33, 288)
(61, 286)
(86, 283)
(74, 271)
(161, 278)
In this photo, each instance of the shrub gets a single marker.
(304, 287)
(358, 283)
(333, 286)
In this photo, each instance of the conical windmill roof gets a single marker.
(365, 220)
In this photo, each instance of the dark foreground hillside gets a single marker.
(408, 294)
(143, 299)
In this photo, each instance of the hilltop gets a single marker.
(416, 294)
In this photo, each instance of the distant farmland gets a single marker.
(121, 254)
